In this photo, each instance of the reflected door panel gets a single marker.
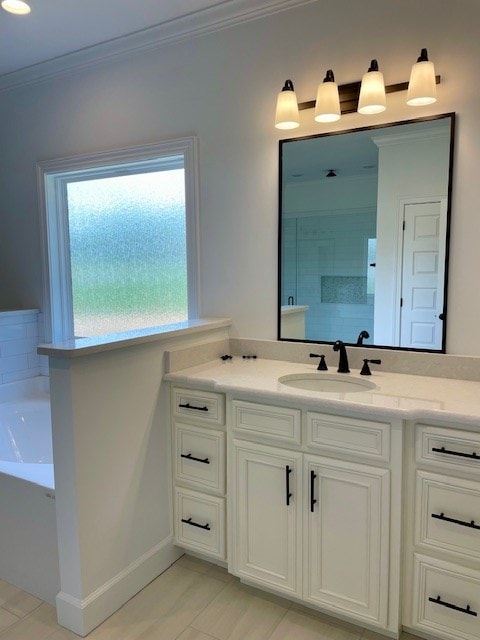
(423, 274)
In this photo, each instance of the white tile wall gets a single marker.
(20, 333)
(334, 245)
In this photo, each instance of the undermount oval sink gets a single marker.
(329, 382)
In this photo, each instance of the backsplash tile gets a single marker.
(437, 365)
(178, 359)
(20, 333)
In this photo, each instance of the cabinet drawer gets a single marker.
(451, 448)
(446, 599)
(201, 406)
(365, 438)
(277, 423)
(200, 522)
(449, 511)
(200, 457)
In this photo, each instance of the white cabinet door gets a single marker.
(346, 538)
(267, 516)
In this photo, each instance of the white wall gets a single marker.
(408, 169)
(324, 195)
(222, 87)
(112, 458)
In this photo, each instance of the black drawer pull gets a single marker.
(192, 523)
(467, 609)
(312, 491)
(473, 455)
(191, 406)
(189, 456)
(288, 495)
(470, 524)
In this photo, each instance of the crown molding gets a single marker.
(223, 16)
(440, 130)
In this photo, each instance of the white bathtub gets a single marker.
(26, 431)
(28, 531)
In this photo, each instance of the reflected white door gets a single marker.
(421, 325)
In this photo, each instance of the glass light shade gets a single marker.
(16, 6)
(372, 93)
(286, 116)
(327, 106)
(422, 87)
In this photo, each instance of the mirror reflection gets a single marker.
(363, 235)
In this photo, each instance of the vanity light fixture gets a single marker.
(327, 105)
(18, 7)
(372, 91)
(366, 97)
(287, 108)
(422, 88)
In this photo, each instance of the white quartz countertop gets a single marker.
(293, 308)
(407, 397)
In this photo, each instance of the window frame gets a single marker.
(52, 179)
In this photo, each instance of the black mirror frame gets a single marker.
(452, 116)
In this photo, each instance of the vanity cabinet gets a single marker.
(199, 462)
(443, 532)
(365, 510)
(315, 527)
(346, 537)
(268, 516)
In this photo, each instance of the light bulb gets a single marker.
(422, 87)
(286, 116)
(327, 105)
(18, 7)
(372, 91)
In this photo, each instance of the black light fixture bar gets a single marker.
(349, 94)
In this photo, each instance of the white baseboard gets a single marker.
(81, 616)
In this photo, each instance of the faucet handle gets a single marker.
(322, 365)
(366, 369)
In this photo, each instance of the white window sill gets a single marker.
(86, 346)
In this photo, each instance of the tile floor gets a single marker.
(192, 600)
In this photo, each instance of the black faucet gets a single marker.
(363, 334)
(343, 360)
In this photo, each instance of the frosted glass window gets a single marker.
(121, 239)
(128, 251)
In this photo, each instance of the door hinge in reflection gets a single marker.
(403, 226)
(401, 302)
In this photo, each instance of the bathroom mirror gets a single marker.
(363, 235)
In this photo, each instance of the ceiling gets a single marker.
(56, 28)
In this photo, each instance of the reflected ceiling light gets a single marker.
(327, 105)
(372, 91)
(422, 87)
(18, 7)
(286, 116)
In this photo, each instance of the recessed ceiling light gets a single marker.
(19, 7)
